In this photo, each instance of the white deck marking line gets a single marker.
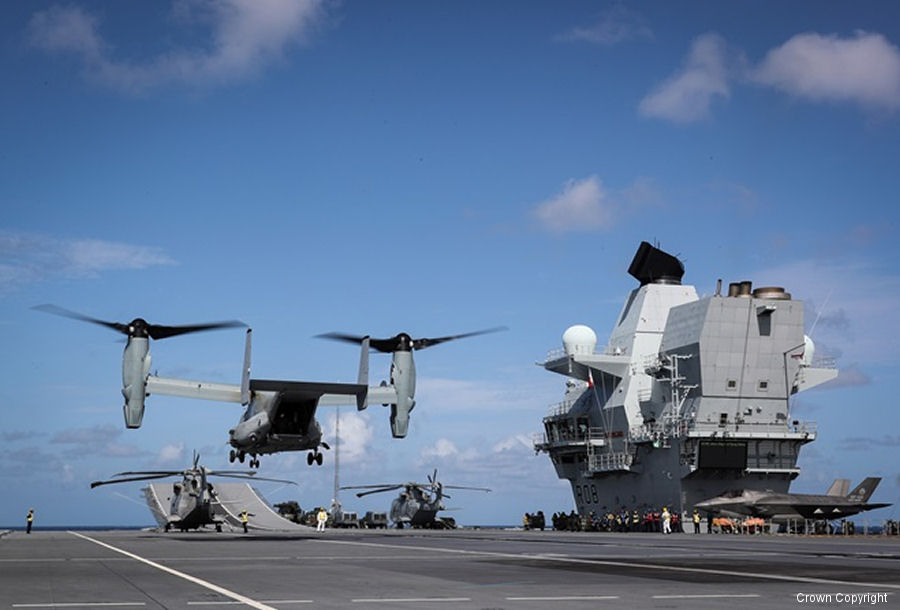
(265, 601)
(563, 598)
(706, 596)
(421, 600)
(78, 604)
(197, 581)
(625, 564)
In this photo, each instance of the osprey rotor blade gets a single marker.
(144, 478)
(341, 337)
(66, 313)
(402, 341)
(140, 327)
(379, 345)
(158, 331)
(423, 343)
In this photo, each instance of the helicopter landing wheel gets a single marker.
(231, 456)
(319, 459)
(241, 456)
(309, 458)
(254, 463)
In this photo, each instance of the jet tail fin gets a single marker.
(840, 487)
(864, 491)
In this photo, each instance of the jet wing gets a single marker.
(833, 511)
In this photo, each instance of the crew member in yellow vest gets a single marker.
(29, 519)
(696, 518)
(244, 519)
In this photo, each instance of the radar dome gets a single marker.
(579, 339)
(809, 351)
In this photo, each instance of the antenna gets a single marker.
(819, 314)
(337, 451)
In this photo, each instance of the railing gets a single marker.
(824, 363)
(659, 431)
(804, 427)
(607, 462)
(567, 436)
(560, 408)
(560, 352)
(753, 430)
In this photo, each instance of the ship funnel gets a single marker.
(733, 289)
(776, 293)
(746, 289)
(579, 339)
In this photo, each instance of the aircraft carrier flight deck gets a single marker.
(484, 568)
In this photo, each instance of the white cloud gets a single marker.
(356, 435)
(171, 455)
(617, 24)
(244, 36)
(29, 257)
(686, 96)
(582, 205)
(586, 205)
(515, 442)
(863, 69)
(443, 449)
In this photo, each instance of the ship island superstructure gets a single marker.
(689, 399)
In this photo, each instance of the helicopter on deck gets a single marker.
(193, 498)
(418, 503)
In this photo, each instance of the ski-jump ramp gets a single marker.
(231, 499)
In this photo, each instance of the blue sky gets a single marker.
(434, 168)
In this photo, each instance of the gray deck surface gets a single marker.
(425, 569)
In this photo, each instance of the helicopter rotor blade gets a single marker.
(251, 477)
(463, 487)
(378, 491)
(391, 485)
(144, 478)
(160, 473)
